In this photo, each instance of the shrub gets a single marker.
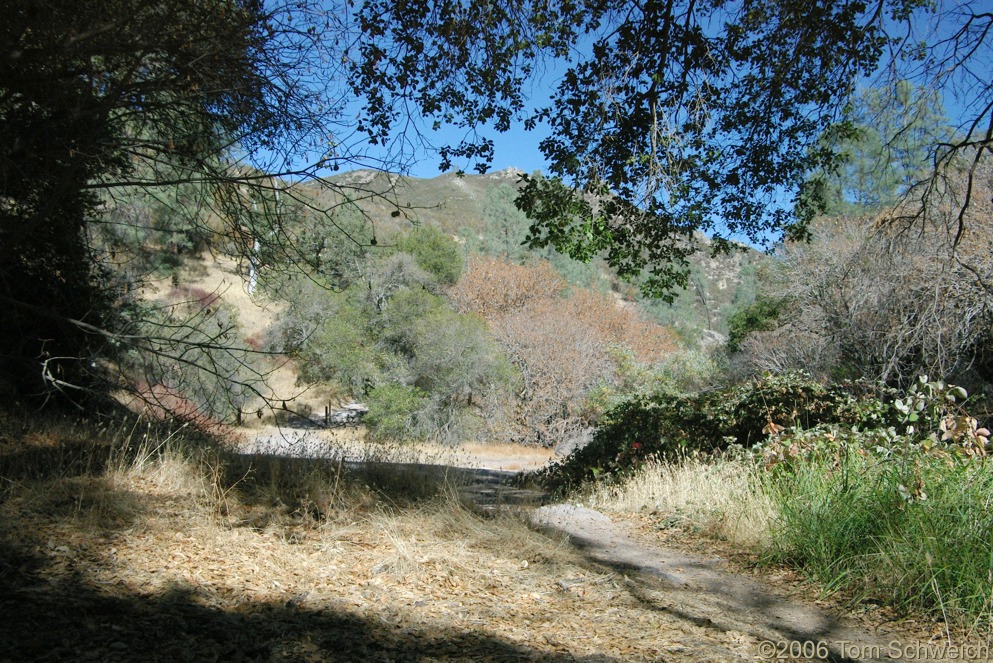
(339, 349)
(872, 511)
(434, 251)
(191, 361)
(395, 411)
(761, 315)
(620, 324)
(427, 371)
(492, 287)
(457, 362)
(574, 353)
(681, 372)
(879, 302)
(668, 425)
(864, 491)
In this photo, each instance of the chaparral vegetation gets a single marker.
(747, 296)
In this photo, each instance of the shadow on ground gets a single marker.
(74, 622)
(47, 616)
(702, 590)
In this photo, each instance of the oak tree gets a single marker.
(673, 117)
(128, 125)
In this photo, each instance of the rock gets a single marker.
(576, 440)
(349, 414)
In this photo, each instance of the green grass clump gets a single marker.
(884, 497)
(915, 534)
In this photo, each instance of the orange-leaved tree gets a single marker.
(561, 345)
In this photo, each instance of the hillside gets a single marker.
(451, 202)
(477, 210)
(420, 299)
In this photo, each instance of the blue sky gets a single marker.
(516, 148)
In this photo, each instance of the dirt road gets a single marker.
(704, 591)
(743, 617)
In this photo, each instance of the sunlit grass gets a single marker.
(915, 536)
(722, 498)
(918, 535)
(157, 515)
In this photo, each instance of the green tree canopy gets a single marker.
(664, 119)
(434, 252)
(887, 155)
(668, 118)
(90, 91)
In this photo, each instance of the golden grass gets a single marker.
(220, 274)
(509, 457)
(722, 499)
(242, 535)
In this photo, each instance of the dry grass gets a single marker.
(509, 457)
(302, 556)
(722, 499)
(220, 275)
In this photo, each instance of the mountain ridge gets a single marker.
(463, 206)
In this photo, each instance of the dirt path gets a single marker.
(700, 590)
(703, 591)
(157, 564)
